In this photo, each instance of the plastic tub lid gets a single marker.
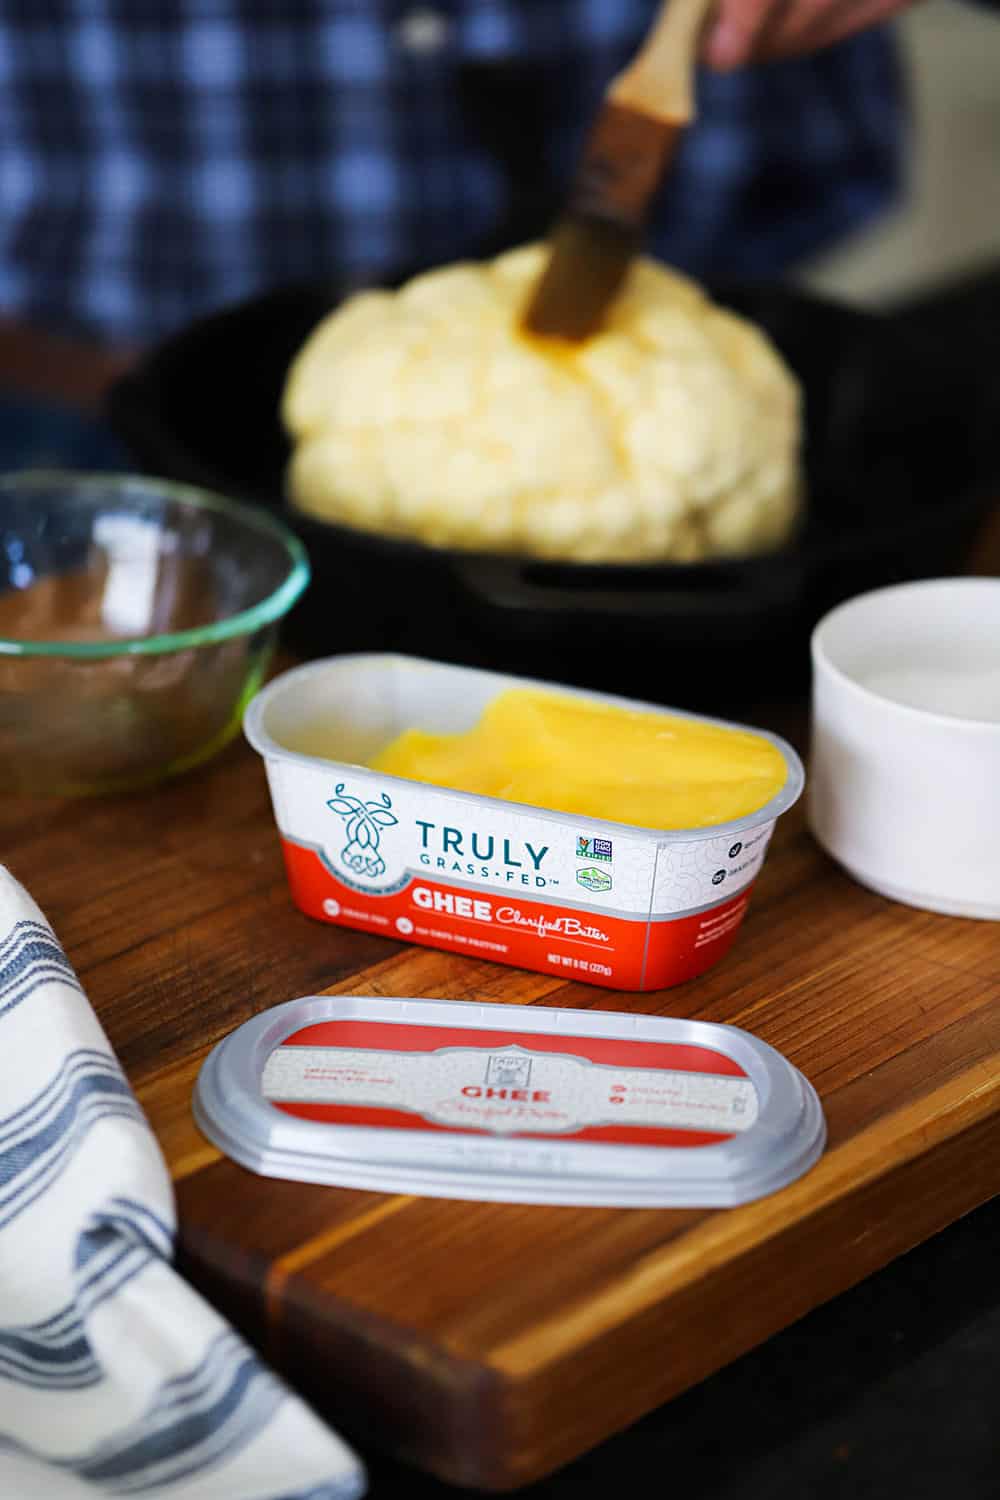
(455, 1099)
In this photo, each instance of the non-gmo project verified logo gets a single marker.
(592, 848)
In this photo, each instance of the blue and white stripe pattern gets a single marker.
(115, 1377)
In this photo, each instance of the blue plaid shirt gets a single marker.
(162, 157)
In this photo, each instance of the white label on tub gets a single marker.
(377, 834)
(692, 875)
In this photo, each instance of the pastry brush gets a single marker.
(631, 145)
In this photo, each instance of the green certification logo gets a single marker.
(594, 880)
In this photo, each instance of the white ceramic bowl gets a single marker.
(904, 787)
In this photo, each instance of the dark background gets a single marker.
(892, 1389)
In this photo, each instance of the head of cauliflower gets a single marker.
(671, 435)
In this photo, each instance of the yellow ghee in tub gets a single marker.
(596, 760)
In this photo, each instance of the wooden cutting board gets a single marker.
(491, 1343)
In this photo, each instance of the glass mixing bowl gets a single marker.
(137, 619)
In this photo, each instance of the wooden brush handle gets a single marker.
(659, 81)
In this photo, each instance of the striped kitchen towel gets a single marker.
(115, 1377)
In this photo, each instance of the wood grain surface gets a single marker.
(491, 1343)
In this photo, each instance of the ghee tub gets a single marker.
(609, 903)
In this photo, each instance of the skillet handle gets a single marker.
(712, 600)
(133, 410)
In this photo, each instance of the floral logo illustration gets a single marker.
(364, 823)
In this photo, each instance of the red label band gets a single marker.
(617, 952)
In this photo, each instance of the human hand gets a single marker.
(745, 31)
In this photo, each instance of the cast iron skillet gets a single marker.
(902, 455)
